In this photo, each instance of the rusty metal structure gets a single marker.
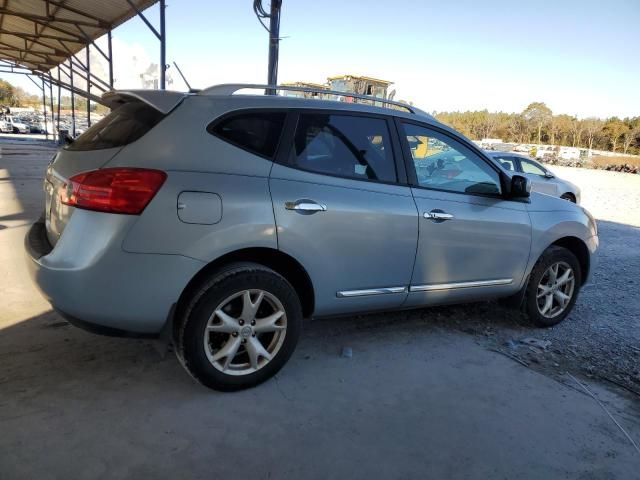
(38, 36)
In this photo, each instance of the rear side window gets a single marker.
(122, 126)
(346, 146)
(257, 132)
(509, 163)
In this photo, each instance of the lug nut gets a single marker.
(235, 334)
(253, 322)
(241, 322)
(253, 334)
(244, 340)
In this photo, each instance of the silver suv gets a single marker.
(220, 221)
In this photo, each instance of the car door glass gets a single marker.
(530, 167)
(346, 146)
(256, 132)
(508, 163)
(443, 163)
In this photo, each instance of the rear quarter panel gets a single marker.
(197, 161)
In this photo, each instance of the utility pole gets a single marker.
(274, 42)
(163, 46)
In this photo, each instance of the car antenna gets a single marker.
(191, 90)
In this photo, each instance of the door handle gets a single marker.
(305, 206)
(438, 215)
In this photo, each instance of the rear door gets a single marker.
(472, 242)
(342, 211)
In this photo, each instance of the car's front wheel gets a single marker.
(553, 286)
(240, 328)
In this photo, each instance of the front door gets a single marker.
(472, 242)
(341, 213)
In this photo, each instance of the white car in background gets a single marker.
(11, 125)
(542, 180)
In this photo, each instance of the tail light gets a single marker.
(113, 190)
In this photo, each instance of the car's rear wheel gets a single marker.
(240, 328)
(553, 287)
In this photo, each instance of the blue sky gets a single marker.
(580, 57)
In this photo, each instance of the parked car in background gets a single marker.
(221, 221)
(542, 180)
(13, 125)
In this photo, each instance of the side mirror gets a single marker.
(549, 175)
(68, 139)
(520, 187)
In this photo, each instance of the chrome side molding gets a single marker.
(423, 288)
(370, 291)
(450, 286)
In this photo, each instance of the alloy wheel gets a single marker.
(555, 289)
(245, 332)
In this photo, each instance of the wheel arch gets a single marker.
(276, 260)
(580, 250)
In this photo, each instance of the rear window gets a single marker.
(257, 132)
(122, 126)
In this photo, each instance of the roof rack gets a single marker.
(231, 88)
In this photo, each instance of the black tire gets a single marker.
(550, 256)
(568, 196)
(224, 283)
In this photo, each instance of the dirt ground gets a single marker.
(449, 392)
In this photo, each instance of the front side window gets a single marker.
(346, 146)
(443, 163)
(531, 167)
(257, 132)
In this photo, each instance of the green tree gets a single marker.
(614, 129)
(630, 137)
(576, 132)
(7, 93)
(592, 128)
(538, 115)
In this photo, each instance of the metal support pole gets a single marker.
(73, 100)
(274, 42)
(58, 126)
(163, 47)
(88, 88)
(51, 103)
(44, 110)
(110, 59)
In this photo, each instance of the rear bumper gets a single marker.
(93, 283)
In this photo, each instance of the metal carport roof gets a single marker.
(41, 34)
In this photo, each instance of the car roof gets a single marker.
(495, 153)
(165, 100)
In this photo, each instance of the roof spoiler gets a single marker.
(162, 100)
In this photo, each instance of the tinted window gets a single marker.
(443, 163)
(343, 145)
(529, 166)
(124, 125)
(258, 132)
(508, 163)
